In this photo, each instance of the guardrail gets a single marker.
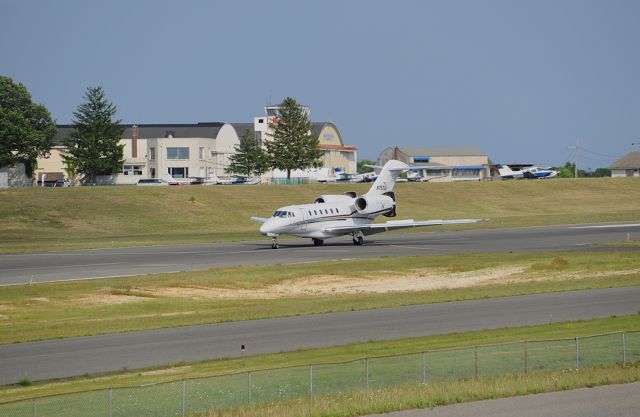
(200, 395)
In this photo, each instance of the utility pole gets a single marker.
(575, 174)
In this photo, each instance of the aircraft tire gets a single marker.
(275, 245)
(360, 240)
(318, 242)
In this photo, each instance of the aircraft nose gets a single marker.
(266, 228)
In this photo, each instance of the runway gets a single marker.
(101, 263)
(77, 356)
(610, 400)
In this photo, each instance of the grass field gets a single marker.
(88, 217)
(344, 370)
(57, 310)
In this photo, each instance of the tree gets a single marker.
(292, 145)
(93, 146)
(362, 166)
(249, 158)
(26, 129)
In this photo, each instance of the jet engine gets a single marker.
(336, 198)
(376, 204)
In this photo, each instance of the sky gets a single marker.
(519, 80)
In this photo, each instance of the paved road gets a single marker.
(40, 267)
(607, 401)
(77, 356)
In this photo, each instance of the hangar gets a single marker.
(193, 150)
(442, 164)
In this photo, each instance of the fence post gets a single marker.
(476, 355)
(184, 397)
(526, 359)
(577, 354)
(110, 402)
(624, 352)
(35, 409)
(249, 387)
(424, 369)
(366, 373)
(310, 387)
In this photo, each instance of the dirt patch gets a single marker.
(4, 317)
(40, 299)
(110, 299)
(5, 308)
(420, 280)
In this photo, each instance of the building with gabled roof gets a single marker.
(441, 164)
(192, 150)
(627, 166)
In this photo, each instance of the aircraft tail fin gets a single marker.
(388, 176)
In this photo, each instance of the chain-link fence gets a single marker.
(199, 395)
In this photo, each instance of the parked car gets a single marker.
(152, 182)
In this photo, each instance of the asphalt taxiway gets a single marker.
(101, 263)
(113, 352)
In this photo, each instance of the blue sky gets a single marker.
(520, 80)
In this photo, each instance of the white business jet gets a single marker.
(346, 214)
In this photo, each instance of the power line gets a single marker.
(601, 154)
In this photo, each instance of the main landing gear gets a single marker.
(274, 243)
(358, 240)
(317, 242)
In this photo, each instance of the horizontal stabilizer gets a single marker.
(258, 219)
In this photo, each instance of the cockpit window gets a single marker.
(283, 214)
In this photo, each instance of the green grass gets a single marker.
(342, 369)
(560, 357)
(418, 396)
(76, 308)
(86, 217)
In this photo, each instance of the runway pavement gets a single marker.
(610, 401)
(77, 356)
(100, 263)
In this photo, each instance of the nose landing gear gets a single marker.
(357, 239)
(274, 243)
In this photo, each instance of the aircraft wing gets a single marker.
(370, 229)
(258, 219)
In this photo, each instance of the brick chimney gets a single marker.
(134, 141)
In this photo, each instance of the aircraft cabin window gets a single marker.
(315, 212)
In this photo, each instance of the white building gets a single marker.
(627, 166)
(197, 150)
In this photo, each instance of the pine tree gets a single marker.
(292, 145)
(93, 146)
(249, 158)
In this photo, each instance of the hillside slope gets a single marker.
(86, 217)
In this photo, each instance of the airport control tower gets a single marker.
(272, 114)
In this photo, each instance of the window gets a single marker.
(152, 154)
(201, 153)
(182, 172)
(315, 212)
(177, 153)
(309, 212)
(283, 214)
(132, 169)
